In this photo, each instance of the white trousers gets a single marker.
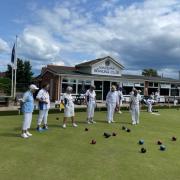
(90, 109)
(149, 107)
(110, 111)
(26, 121)
(135, 114)
(43, 114)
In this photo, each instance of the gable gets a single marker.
(107, 67)
(102, 66)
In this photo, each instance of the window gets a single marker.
(69, 82)
(164, 92)
(83, 86)
(98, 85)
(155, 84)
(151, 84)
(174, 92)
(65, 80)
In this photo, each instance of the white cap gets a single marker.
(33, 86)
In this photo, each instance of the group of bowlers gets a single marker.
(113, 103)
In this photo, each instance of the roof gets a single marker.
(66, 70)
(146, 78)
(92, 62)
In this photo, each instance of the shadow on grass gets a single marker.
(8, 134)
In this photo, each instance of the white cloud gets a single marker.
(142, 35)
(37, 43)
(4, 47)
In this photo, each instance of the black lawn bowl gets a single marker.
(128, 130)
(143, 150)
(174, 138)
(106, 135)
(123, 128)
(86, 129)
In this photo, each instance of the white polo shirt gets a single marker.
(44, 95)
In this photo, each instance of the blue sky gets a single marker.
(137, 33)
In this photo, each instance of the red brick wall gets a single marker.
(46, 78)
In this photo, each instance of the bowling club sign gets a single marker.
(106, 68)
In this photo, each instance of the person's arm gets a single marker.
(130, 103)
(117, 100)
(62, 100)
(107, 98)
(40, 97)
(86, 99)
(25, 97)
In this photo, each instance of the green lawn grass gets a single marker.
(66, 154)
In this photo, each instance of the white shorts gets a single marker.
(69, 111)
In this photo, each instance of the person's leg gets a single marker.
(40, 118)
(30, 120)
(133, 111)
(137, 115)
(92, 112)
(72, 114)
(24, 125)
(92, 107)
(88, 113)
(150, 107)
(112, 111)
(109, 113)
(64, 122)
(45, 117)
(73, 122)
(120, 104)
(29, 124)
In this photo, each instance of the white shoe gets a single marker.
(93, 122)
(119, 112)
(28, 134)
(24, 135)
(109, 122)
(133, 123)
(64, 126)
(75, 125)
(89, 122)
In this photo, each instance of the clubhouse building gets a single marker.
(103, 73)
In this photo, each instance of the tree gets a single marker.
(23, 74)
(5, 86)
(150, 72)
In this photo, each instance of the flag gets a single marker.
(13, 56)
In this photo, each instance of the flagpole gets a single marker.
(12, 81)
(15, 69)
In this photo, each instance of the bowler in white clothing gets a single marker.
(44, 106)
(120, 94)
(112, 102)
(67, 101)
(90, 99)
(135, 99)
(27, 107)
